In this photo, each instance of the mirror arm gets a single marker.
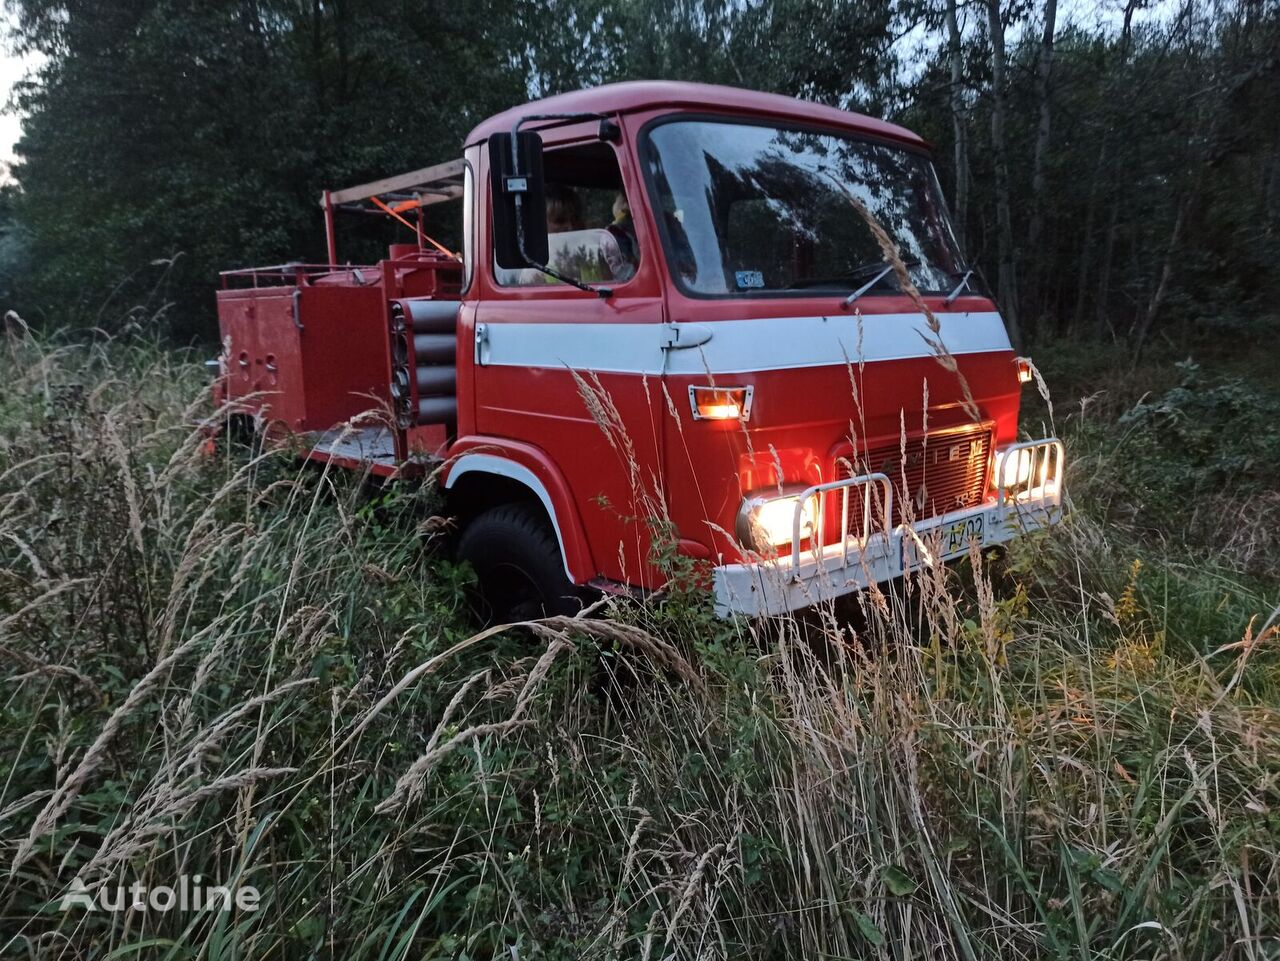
(603, 292)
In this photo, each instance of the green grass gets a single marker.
(234, 667)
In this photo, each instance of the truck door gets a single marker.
(575, 377)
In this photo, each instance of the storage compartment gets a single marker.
(306, 347)
(307, 356)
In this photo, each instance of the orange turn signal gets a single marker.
(1024, 369)
(720, 403)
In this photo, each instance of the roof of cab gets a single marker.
(621, 98)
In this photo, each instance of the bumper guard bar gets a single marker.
(883, 550)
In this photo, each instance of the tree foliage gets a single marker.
(1165, 123)
(165, 141)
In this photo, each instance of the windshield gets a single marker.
(749, 209)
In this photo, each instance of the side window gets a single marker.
(468, 227)
(591, 236)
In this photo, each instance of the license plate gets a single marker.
(943, 542)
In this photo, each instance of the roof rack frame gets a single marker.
(429, 185)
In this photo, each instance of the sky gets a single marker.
(13, 68)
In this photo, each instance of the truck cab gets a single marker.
(685, 319)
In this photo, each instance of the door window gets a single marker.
(590, 232)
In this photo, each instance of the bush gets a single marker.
(1203, 439)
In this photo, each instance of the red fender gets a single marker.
(531, 467)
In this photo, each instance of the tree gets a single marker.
(960, 154)
(838, 52)
(167, 141)
(999, 151)
(1039, 160)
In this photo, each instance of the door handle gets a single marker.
(682, 337)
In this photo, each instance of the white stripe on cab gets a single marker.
(739, 346)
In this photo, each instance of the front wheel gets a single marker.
(516, 558)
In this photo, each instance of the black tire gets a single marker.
(516, 557)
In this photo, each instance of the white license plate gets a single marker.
(942, 541)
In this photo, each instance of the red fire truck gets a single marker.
(675, 319)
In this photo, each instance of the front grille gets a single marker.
(934, 474)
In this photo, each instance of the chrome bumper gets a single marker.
(879, 553)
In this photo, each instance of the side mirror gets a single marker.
(519, 201)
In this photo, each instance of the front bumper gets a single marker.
(861, 558)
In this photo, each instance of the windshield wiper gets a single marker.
(881, 268)
(848, 301)
(955, 292)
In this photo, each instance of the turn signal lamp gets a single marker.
(1024, 369)
(720, 403)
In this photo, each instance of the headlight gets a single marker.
(1015, 469)
(1031, 471)
(769, 522)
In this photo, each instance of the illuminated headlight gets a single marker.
(1015, 469)
(769, 522)
(1032, 471)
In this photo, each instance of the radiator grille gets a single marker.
(933, 475)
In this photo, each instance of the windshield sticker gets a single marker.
(748, 279)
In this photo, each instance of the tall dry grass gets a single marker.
(235, 667)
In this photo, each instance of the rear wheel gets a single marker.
(519, 571)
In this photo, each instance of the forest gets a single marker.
(223, 667)
(1114, 173)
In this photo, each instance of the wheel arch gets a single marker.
(479, 479)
